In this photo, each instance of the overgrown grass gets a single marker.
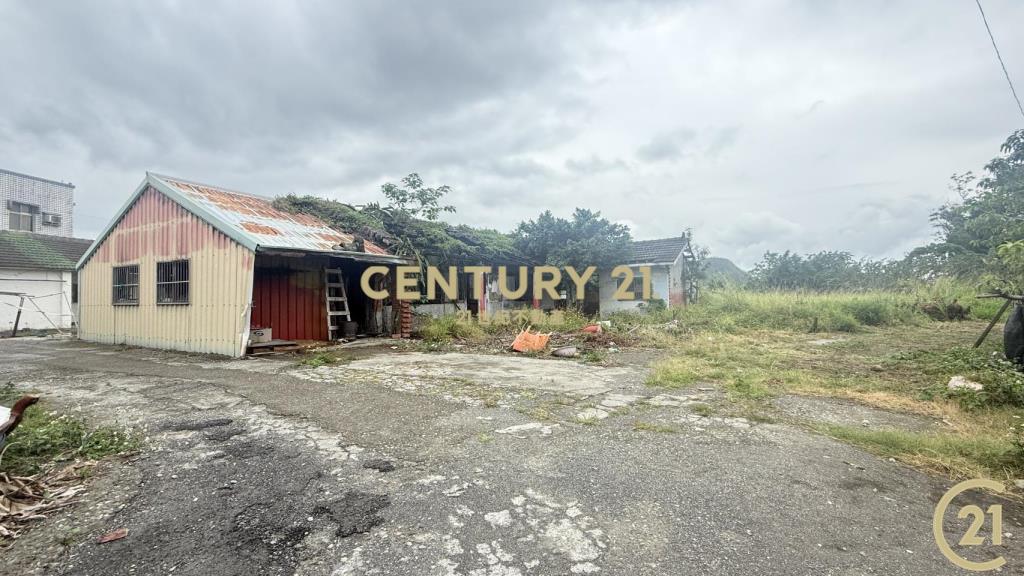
(899, 368)
(944, 291)
(966, 456)
(447, 328)
(734, 310)
(44, 438)
(737, 310)
(318, 359)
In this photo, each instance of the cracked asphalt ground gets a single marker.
(457, 464)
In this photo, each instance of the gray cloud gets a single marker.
(666, 145)
(594, 165)
(802, 126)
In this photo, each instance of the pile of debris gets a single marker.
(24, 499)
(567, 344)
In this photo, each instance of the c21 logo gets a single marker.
(978, 519)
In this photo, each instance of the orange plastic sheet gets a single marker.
(528, 341)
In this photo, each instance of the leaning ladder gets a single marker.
(336, 300)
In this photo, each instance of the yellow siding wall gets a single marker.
(156, 229)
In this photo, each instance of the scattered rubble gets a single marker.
(591, 414)
(667, 400)
(961, 383)
(613, 401)
(566, 352)
(544, 429)
(111, 536)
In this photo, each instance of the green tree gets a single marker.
(585, 240)
(988, 214)
(824, 272)
(414, 199)
(407, 225)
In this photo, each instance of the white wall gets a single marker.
(52, 289)
(660, 283)
(438, 310)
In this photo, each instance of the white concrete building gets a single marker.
(41, 269)
(37, 205)
(672, 280)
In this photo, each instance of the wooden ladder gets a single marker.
(336, 300)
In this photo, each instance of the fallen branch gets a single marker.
(27, 498)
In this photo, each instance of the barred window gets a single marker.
(172, 282)
(126, 285)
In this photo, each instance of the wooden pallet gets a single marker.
(272, 347)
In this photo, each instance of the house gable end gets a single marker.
(154, 224)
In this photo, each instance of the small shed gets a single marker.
(37, 280)
(194, 267)
(672, 262)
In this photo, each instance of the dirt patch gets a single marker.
(849, 413)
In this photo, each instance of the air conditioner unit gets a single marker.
(51, 219)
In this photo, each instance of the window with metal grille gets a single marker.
(21, 215)
(637, 287)
(126, 285)
(172, 282)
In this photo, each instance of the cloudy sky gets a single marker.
(762, 125)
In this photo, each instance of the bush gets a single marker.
(1003, 383)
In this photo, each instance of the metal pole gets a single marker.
(17, 317)
(995, 319)
(48, 319)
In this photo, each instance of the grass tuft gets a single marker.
(318, 359)
(959, 456)
(447, 328)
(44, 438)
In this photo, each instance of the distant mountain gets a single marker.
(724, 271)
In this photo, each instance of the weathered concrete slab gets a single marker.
(562, 376)
(292, 484)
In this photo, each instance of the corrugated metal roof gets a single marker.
(253, 221)
(256, 217)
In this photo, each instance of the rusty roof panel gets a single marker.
(256, 218)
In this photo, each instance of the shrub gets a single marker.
(1003, 383)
